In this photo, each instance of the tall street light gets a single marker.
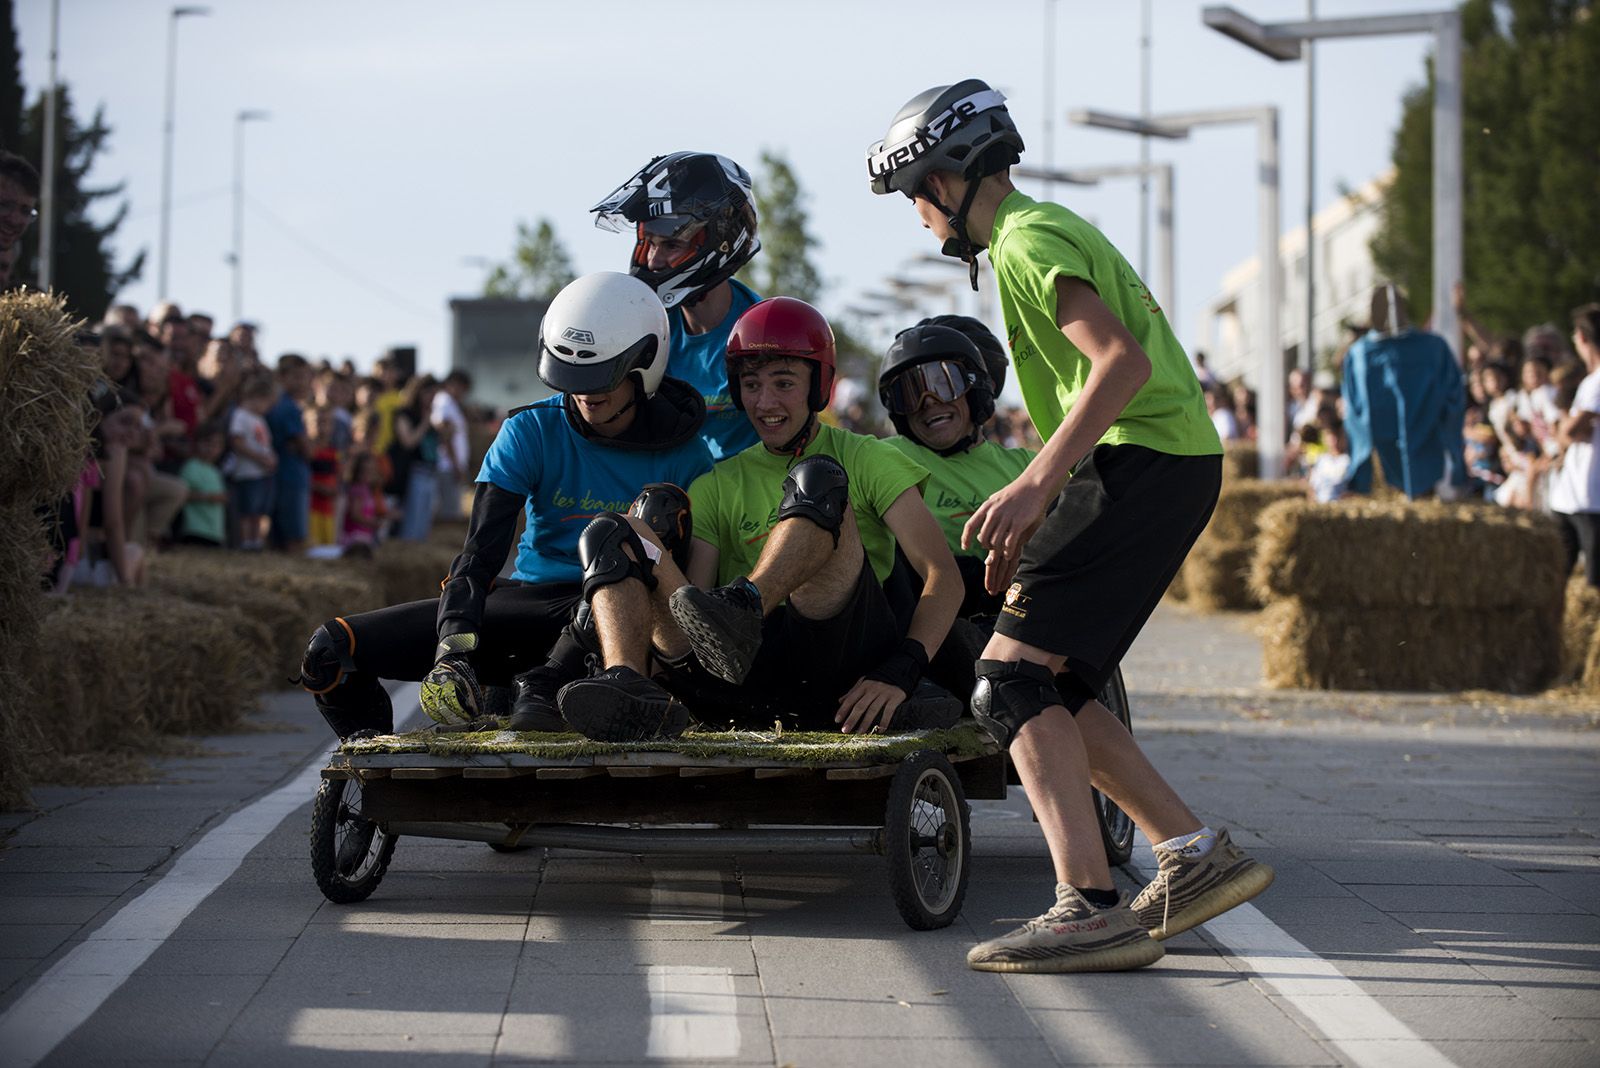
(1166, 284)
(1283, 41)
(236, 257)
(1270, 388)
(47, 183)
(166, 160)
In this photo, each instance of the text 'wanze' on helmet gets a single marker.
(703, 200)
(784, 327)
(600, 329)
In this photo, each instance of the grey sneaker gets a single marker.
(1187, 892)
(723, 626)
(1074, 936)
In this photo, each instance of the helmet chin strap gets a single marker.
(797, 444)
(961, 246)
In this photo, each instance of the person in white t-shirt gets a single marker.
(1575, 486)
(450, 422)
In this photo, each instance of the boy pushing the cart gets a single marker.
(1084, 542)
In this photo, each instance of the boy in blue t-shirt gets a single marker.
(616, 425)
(694, 218)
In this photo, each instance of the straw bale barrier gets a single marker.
(1395, 595)
(412, 571)
(1580, 636)
(1215, 577)
(22, 546)
(1240, 461)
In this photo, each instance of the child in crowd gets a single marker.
(325, 488)
(365, 510)
(204, 520)
(1330, 470)
(252, 460)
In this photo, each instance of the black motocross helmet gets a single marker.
(931, 358)
(703, 199)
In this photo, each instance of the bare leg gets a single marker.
(1120, 770)
(622, 621)
(800, 564)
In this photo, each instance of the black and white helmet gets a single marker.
(702, 199)
(600, 329)
(947, 128)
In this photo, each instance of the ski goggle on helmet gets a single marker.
(943, 380)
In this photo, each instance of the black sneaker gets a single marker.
(723, 626)
(621, 705)
(930, 707)
(535, 706)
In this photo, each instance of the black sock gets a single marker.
(1100, 899)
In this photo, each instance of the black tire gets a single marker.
(337, 826)
(501, 847)
(927, 834)
(1116, 829)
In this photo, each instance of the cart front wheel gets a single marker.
(349, 854)
(1116, 829)
(928, 841)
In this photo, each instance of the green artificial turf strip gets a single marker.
(798, 747)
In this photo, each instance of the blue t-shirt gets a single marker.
(568, 479)
(286, 421)
(701, 361)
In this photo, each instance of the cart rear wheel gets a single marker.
(1116, 829)
(349, 854)
(928, 841)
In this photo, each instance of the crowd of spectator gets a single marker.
(201, 443)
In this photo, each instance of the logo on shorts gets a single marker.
(1016, 601)
(576, 336)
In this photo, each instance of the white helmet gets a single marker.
(599, 329)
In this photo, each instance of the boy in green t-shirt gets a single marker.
(1132, 467)
(780, 610)
(204, 517)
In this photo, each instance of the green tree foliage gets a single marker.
(84, 271)
(12, 97)
(539, 267)
(1531, 160)
(783, 267)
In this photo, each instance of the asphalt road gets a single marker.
(1437, 902)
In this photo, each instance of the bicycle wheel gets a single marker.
(349, 854)
(1116, 829)
(927, 838)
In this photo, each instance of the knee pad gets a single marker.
(329, 657)
(1010, 693)
(603, 551)
(817, 489)
(665, 510)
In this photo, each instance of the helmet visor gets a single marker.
(943, 380)
(682, 238)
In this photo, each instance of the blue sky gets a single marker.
(408, 138)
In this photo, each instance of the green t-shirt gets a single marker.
(958, 484)
(1035, 243)
(736, 502)
(204, 519)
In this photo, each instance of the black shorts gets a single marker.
(520, 623)
(802, 668)
(1098, 565)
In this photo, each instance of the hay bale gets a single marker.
(1237, 517)
(1216, 576)
(1410, 555)
(127, 665)
(1240, 461)
(1318, 646)
(45, 380)
(1580, 636)
(22, 549)
(412, 571)
(284, 616)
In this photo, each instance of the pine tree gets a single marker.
(84, 270)
(540, 266)
(11, 91)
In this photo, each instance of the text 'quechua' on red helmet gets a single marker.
(784, 326)
(701, 199)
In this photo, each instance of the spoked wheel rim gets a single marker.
(357, 841)
(937, 847)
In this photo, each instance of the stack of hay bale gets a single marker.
(1395, 595)
(1580, 637)
(1216, 576)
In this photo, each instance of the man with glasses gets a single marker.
(693, 217)
(1084, 542)
(19, 199)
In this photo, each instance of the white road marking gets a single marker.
(1353, 1021)
(80, 982)
(694, 1013)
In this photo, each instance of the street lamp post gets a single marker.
(237, 256)
(1270, 402)
(1284, 40)
(1166, 278)
(166, 159)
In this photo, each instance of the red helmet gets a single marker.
(784, 326)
